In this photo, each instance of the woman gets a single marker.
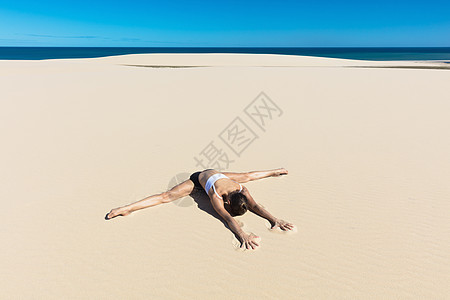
(228, 197)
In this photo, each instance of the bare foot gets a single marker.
(281, 171)
(120, 211)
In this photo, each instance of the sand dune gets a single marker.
(366, 149)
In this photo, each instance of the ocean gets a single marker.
(38, 53)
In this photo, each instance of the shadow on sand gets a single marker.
(204, 203)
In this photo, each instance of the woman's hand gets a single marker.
(279, 172)
(249, 241)
(283, 225)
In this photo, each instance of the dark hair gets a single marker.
(238, 203)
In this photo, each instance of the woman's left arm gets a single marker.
(260, 211)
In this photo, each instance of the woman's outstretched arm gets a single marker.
(255, 175)
(248, 241)
(262, 212)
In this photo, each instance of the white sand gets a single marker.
(367, 151)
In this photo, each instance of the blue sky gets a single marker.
(226, 23)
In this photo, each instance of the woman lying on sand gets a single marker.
(228, 197)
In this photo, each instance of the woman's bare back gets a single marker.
(223, 186)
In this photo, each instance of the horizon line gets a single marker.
(225, 47)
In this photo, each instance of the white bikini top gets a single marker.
(212, 179)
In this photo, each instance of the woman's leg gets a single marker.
(238, 177)
(255, 175)
(181, 190)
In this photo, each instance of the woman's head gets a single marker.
(238, 203)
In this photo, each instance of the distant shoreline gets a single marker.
(357, 53)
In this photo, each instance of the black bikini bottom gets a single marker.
(194, 178)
